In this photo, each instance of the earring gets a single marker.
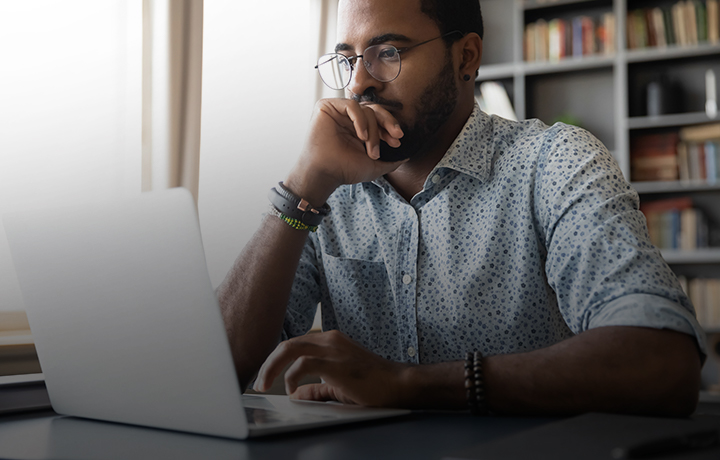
(466, 77)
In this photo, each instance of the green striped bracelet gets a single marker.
(294, 223)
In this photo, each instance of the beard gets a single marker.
(433, 109)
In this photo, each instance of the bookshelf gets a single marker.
(551, 87)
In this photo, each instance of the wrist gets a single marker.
(315, 189)
(432, 386)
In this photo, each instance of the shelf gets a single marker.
(496, 71)
(671, 52)
(568, 65)
(675, 187)
(701, 256)
(538, 4)
(677, 119)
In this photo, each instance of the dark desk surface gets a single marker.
(418, 436)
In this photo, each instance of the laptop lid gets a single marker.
(125, 321)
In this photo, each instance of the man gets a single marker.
(517, 243)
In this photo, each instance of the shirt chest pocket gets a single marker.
(362, 300)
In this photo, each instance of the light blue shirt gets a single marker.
(522, 236)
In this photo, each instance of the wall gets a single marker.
(70, 98)
(258, 94)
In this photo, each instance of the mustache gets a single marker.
(370, 97)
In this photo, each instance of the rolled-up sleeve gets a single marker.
(600, 262)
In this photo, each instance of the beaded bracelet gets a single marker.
(475, 384)
(294, 223)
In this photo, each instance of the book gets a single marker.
(652, 40)
(688, 229)
(577, 38)
(678, 17)
(691, 22)
(541, 40)
(700, 133)
(710, 162)
(653, 157)
(669, 28)
(658, 21)
(588, 35)
(608, 21)
(556, 40)
(697, 297)
(694, 160)
(701, 18)
(530, 42)
(713, 15)
(683, 162)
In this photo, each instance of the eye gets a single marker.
(388, 54)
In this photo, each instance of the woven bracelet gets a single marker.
(294, 223)
(475, 384)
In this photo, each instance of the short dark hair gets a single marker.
(450, 15)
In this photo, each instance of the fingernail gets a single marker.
(376, 152)
(258, 385)
(365, 135)
(398, 128)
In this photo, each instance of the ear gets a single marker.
(470, 49)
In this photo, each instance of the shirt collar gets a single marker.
(469, 153)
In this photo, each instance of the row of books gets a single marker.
(692, 153)
(704, 294)
(558, 38)
(687, 22)
(675, 224)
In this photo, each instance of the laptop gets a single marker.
(127, 326)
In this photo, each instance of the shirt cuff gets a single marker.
(646, 310)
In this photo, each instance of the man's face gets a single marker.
(425, 93)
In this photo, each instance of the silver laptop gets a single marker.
(127, 326)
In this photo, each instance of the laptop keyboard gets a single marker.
(260, 417)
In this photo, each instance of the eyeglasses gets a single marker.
(381, 61)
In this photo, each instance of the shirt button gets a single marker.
(407, 279)
(435, 179)
(411, 352)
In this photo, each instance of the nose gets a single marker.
(361, 79)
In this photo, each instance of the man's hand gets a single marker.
(343, 147)
(352, 374)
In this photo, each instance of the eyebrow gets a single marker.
(375, 41)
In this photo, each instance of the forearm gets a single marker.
(610, 369)
(254, 295)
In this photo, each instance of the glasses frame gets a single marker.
(352, 60)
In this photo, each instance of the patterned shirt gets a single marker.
(522, 236)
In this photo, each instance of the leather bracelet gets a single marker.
(295, 207)
(475, 384)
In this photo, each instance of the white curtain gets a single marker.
(172, 85)
(323, 13)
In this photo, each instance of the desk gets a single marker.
(417, 436)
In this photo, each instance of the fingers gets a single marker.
(283, 355)
(315, 392)
(371, 123)
(366, 127)
(305, 365)
(390, 130)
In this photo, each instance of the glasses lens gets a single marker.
(334, 70)
(382, 62)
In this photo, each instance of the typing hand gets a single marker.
(343, 147)
(352, 374)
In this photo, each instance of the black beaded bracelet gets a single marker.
(475, 384)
